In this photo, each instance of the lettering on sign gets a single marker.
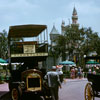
(29, 48)
(29, 54)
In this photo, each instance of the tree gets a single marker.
(74, 40)
(77, 43)
(91, 42)
(3, 45)
(60, 47)
(57, 50)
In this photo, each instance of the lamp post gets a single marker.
(84, 59)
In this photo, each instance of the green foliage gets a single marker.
(3, 45)
(77, 42)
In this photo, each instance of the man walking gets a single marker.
(53, 82)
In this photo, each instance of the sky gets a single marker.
(49, 12)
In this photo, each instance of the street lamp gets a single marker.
(84, 60)
(84, 56)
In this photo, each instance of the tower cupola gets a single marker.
(54, 33)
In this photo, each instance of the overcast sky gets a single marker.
(49, 12)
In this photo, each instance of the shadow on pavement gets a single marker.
(3, 93)
(31, 97)
(6, 96)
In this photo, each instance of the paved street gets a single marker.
(3, 89)
(72, 89)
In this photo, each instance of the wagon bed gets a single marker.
(92, 88)
(95, 79)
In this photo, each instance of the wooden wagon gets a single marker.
(92, 88)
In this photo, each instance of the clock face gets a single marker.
(29, 48)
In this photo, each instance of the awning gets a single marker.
(66, 63)
(2, 60)
(19, 31)
(92, 62)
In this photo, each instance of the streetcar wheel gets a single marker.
(16, 93)
(89, 92)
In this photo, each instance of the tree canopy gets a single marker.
(77, 42)
(3, 45)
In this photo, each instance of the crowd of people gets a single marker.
(94, 70)
(76, 72)
(55, 77)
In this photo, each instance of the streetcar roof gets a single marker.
(31, 30)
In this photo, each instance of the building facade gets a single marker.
(54, 34)
(73, 24)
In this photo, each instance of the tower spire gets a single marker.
(74, 17)
(74, 11)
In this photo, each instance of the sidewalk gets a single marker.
(3, 89)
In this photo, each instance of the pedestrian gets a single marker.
(76, 71)
(72, 73)
(60, 73)
(89, 71)
(79, 72)
(53, 82)
(94, 72)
